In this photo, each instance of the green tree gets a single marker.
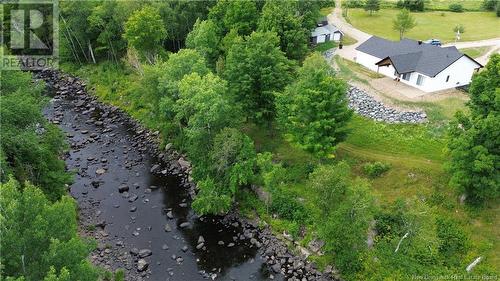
(489, 5)
(281, 18)
(170, 73)
(372, 6)
(330, 184)
(211, 198)
(347, 241)
(202, 110)
(474, 141)
(77, 41)
(30, 146)
(242, 16)
(177, 66)
(239, 15)
(179, 17)
(107, 22)
(403, 22)
(412, 5)
(231, 165)
(233, 158)
(145, 32)
(255, 69)
(40, 238)
(313, 110)
(309, 11)
(205, 39)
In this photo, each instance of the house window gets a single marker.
(447, 78)
(420, 80)
(406, 76)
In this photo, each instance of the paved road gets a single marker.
(349, 52)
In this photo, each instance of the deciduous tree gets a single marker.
(255, 69)
(313, 110)
(202, 110)
(145, 32)
(403, 22)
(37, 235)
(205, 39)
(474, 142)
(281, 18)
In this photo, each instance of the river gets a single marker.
(106, 154)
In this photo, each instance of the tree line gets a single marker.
(38, 219)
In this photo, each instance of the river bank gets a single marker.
(134, 199)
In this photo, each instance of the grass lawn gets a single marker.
(351, 71)
(348, 40)
(322, 47)
(475, 52)
(443, 5)
(478, 25)
(326, 11)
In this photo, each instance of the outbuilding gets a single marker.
(326, 33)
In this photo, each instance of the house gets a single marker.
(424, 66)
(326, 33)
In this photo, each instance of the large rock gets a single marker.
(145, 253)
(142, 265)
(122, 188)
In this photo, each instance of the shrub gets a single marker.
(453, 241)
(412, 5)
(490, 5)
(375, 169)
(287, 207)
(456, 7)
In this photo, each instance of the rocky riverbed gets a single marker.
(367, 106)
(134, 199)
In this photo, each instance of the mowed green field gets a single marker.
(478, 25)
(468, 5)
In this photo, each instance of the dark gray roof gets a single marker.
(409, 55)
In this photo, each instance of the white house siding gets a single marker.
(367, 60)
(336, 36)
(460, 72)
(370, 61)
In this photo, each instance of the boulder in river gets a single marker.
(167, 227)
(142, 265)
(145, 253)
(185, 225)
(123, 188)
(100, 171)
